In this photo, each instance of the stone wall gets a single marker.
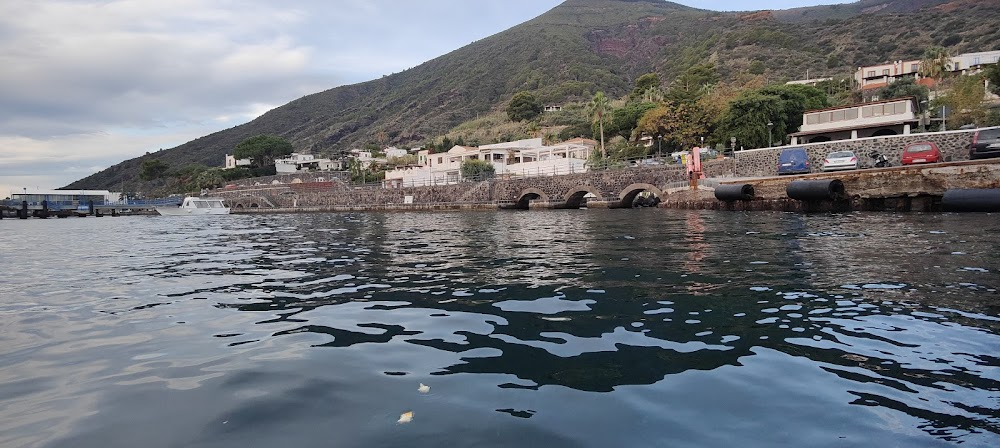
(954, 146)
(612, 186)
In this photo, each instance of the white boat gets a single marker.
(195, 206)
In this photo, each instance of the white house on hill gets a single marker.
(522, 158)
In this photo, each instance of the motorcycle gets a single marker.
(879, 160)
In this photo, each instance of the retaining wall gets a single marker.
(954, 146)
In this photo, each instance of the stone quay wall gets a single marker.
(954, 146)
(613, 187)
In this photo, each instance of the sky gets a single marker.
(86, 84)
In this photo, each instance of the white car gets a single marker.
(840, 160)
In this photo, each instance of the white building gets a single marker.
(75, 197)
(878, 76)
(522, 158)
(233, 162)
(393, 151)
(302, 162)
(878, 118)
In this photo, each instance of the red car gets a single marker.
(921, 152)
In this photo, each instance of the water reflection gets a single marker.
(800, 317)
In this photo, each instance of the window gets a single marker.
(975, 61)
(914, 67)
(958, 66)
(885, 72)
(440, 160)
(918, 148)
(871, 73)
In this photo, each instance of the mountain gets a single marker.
(583, 46)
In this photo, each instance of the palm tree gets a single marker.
(597, 108)
(935, 64)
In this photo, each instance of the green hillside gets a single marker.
(583, 46)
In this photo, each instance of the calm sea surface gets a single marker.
(589, 328)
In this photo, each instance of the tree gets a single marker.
(681, 125)
(597, 108)
(966, 101)
(623, 121)
(693, 83)
(210, 179)
(475, 169)
(153, 169)
(992, 74)
(262, 150)
(524, 106)
(644, 84)
(782, 105)
(903, 88)
(935, 64)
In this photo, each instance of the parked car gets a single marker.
(793, 161)
(985, 143)
(921, 152)
(840, 160)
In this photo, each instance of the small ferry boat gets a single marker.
(195, 206)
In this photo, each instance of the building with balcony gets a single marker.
(296, 162)
(874, 119)
(878, 76)
(522, 158)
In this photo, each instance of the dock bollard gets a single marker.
(23, 212)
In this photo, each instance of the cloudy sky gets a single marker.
(86, 84)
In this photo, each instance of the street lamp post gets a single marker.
(944, 119)
(769, 140)
(733, 141)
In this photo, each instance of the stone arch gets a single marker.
(530, 194)
(254, 205)
(574, 198)
(629, 193)
(239, 205)
(883, 132)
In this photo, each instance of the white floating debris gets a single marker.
(405, 417)
(595, 291)
(423, 388)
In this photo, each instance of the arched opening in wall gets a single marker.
(883, 133)
(254, 205)
(640, 198)
(820, 139)
(524, 202)
(578, 199)
(640, 195)
(239, 206)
